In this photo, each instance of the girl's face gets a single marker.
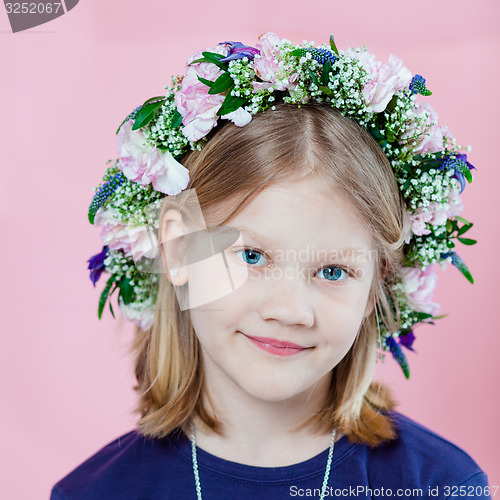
(309, 265)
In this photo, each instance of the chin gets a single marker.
(274, 388)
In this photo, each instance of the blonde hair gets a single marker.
(234, 166)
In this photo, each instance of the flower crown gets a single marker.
(233, 82)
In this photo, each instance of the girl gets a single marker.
(295, 237)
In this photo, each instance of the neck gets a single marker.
(262, 433)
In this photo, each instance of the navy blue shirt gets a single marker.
(418, 464)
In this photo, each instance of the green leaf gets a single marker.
(223, 83)
(449, 226)
(325, 75)
(432, 164)
(464, 229)
(378, 136)
(131, 116)
(231, 103)
(176, 119)
(467, 241)
(146, 113)
(468, 174)
(154, 99)
(403, 363)
(461, 266)
(462, 167)
(104, 296)
(461, 219)
(333, 46)
(200, 60)
(313, 77)
(211, 57)
(421, 315)
(326, 90)
(111, 309)
(441, 316)
(392, 104)
(208, 83)
(126, 290)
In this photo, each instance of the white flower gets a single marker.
(240, 117)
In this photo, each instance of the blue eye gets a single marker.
(251, 256)
(333, 273)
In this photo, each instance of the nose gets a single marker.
(287, 300)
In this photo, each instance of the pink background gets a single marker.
(66, 377)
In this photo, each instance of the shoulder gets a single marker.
(421, 457)
(124, 468)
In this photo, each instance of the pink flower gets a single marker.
(143, 242)
(146, 164)
(428, 134)
(419, 286)
(197, 107)
(140, 316)
(386, 79)
(456, 204)
(418, 220)
(436, 214)
(135, 241)
(267, 66)
(441, 213)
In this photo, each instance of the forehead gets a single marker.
(303, 212)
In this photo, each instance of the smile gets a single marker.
(276, 347)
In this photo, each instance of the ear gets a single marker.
(370, 304)
(172, 231)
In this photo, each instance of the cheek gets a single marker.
(341, 316)
(215, 321)
(214, 278)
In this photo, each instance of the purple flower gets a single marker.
(238, 51)
(317, 53)
(459, 164)
(457, 261)
(406, 339)
(104, 192)
(96, 265)
(417, 86)
(398, 355)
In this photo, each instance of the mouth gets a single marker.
(276, 347)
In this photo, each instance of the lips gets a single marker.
(277, 347)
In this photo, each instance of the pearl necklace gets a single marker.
(197, 477)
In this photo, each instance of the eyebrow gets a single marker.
(345, 253)
(252, 234)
